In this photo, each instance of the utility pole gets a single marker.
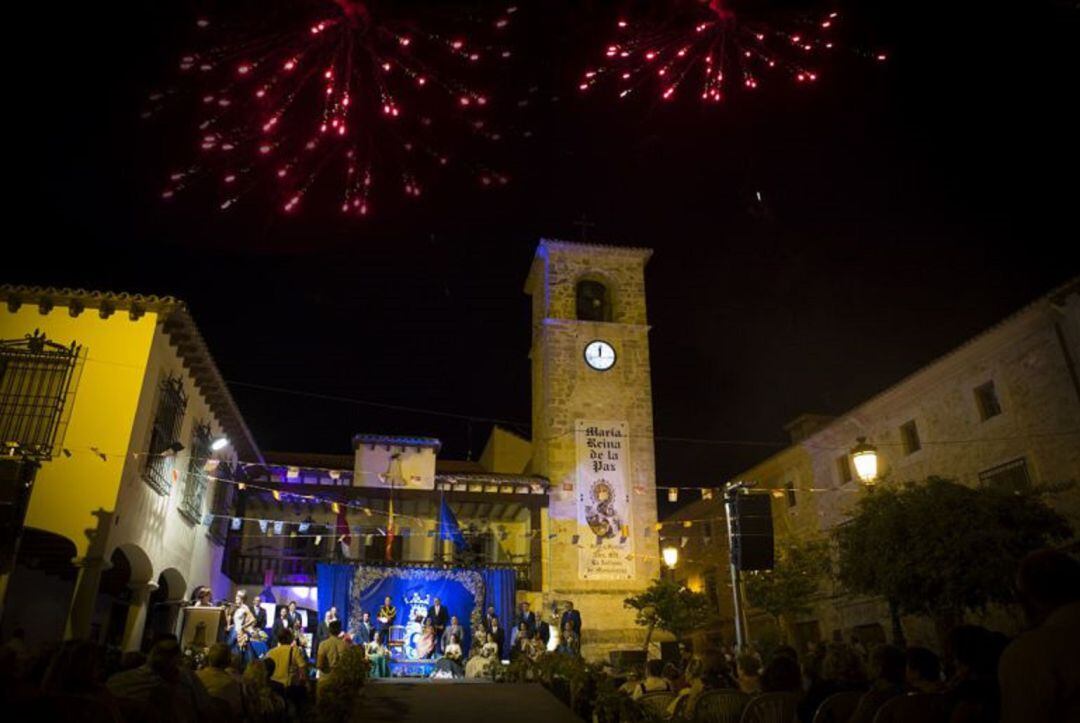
(731, 492)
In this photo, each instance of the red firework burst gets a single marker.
(336, 93)
(709, 47)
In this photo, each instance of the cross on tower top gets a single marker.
(584, 224)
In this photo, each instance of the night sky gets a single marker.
(909, 206)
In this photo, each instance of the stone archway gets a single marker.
(163, 604)
(120, 610)
(41, 586)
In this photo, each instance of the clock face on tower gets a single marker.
(599, 355)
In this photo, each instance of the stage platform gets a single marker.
(411, 700)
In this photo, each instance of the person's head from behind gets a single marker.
(284, 637)
(164, 659)
(923, 667)
(218, 656)
(973, 651)
(334, 627)
(1045, 581)
(748, 666)
(714, 669)
(75, 668)
(842, 664)
(654, 668)
(255, 673)
(786, 651)
(887, 664)
(781, 675)
(270, 666)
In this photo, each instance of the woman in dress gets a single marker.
(378, 656)
(450, 662)
(484, 651)
(425, 644)
(244, 625)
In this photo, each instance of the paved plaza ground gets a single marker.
(411, 700)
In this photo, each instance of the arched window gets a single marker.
(593, 301)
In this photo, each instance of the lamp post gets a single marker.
(864, 455)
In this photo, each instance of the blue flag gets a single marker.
(448, 526)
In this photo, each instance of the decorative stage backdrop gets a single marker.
(465, 592)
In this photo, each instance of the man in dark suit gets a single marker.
(524, 615)
(545, 632)
(497, 636)
(573, 617)
(364, 629)
(438, 616)
(260, 613)
(488, 617)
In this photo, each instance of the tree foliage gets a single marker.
(939, 548)
(787, 589)
(669, 606)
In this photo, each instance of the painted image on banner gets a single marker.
(604, 524)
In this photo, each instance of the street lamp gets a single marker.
(671, 556)
(219, 444)
(864, 455)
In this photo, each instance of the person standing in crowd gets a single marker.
(364, 629)
(438, 616)
(887, 669)
(323, 631)
(572, 618)
(748, 672)
(289, 678)
(1039, 672)
(923, 671)
(218, 682)
(654, 681)
(454, 628)
(488, 617)
(330, 649)
(387, 614)
(296, 621)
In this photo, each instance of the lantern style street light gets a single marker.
(864, 455)
(671, 556)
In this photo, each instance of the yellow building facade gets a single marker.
(109, 496)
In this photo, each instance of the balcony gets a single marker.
(250, 569)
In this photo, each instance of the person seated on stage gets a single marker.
(520, 645)
(569, 642)
(484, 652)
(330, 650)
(387, 614)
(425, 644)
(377, 655)
(537, 646)
(450, 665)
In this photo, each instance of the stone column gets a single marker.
(136, 617)
(83, 601)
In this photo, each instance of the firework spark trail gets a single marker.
(706, 45)
(344, 94)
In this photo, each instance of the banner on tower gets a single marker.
(604, 524)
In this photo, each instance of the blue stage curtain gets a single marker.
(500, 590)
(334, 582)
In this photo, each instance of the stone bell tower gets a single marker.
(593, 433)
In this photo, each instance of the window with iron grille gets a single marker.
(1010, 477)
(221, 504)
(36, 382)
(165, 434)
(909, 435)
(987, 399)
(195, 483)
